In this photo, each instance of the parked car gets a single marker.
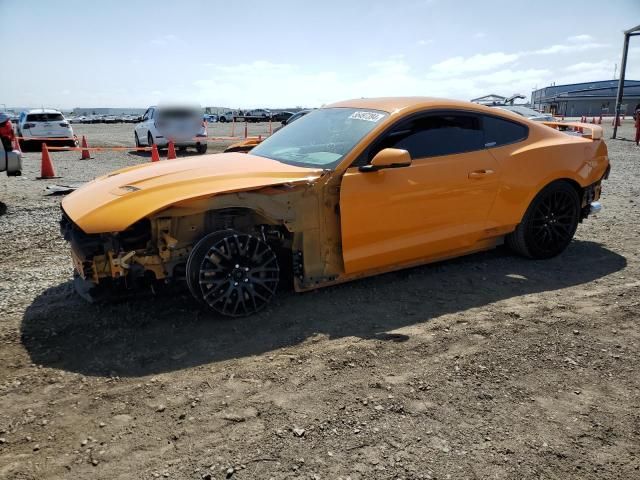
(45, 123)
(527, 112)
(226, 116)
(183, 125)
(281, 116)
(210, 118)
(258, 112)
(353, 189)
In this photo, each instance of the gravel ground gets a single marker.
(488, 366)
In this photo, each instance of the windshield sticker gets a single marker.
(368, 116)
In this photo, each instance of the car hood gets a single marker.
(113, 202)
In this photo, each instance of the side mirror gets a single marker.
(388, 158)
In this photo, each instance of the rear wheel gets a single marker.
(235, 274)
(549, 223)
(201, 148)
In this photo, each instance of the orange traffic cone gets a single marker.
(46, 166)
(171, 151)
(155, 157)
(85, 153)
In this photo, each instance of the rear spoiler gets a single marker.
(594, 131)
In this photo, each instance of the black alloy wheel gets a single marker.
(235, 274)
(549, 224)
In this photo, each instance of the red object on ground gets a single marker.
(46, 166)
(155, 156)
(85, 153)
(171, 151)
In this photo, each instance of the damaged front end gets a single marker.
(107, 259)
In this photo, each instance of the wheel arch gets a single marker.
(544, 184)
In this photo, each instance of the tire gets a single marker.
(549, 223)
(150, 140)
(202, 148)
(233, 273)
(135, 134)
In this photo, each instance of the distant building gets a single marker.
(108, 111)
(491, 99)
(590, 98)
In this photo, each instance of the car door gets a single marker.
(436, 205)
(141, 127)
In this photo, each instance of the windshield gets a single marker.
(321, 138)
(44, 117)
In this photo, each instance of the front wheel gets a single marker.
(137, 139)
(150, 140)
(548, 224)
(235, 274)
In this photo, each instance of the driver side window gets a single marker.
(434, 135)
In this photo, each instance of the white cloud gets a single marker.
(569, 48)
(423, 42)
(476, 63)
(588, 66)
(580, 38)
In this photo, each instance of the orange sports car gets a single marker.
(352, 189)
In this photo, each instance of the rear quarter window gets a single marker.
(498, 132)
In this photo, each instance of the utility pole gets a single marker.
(623, 68)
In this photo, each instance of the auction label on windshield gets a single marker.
(368, 116)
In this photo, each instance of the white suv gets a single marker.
(183, 125)
(45, 123)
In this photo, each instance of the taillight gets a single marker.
(28, 125)
(64, 124)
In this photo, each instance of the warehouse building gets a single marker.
(590, 98)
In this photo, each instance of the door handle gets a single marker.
(481, 173)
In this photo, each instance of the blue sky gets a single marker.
(287, 53)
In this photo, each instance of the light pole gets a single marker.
(623, 68)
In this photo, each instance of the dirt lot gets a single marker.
(489, 366)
